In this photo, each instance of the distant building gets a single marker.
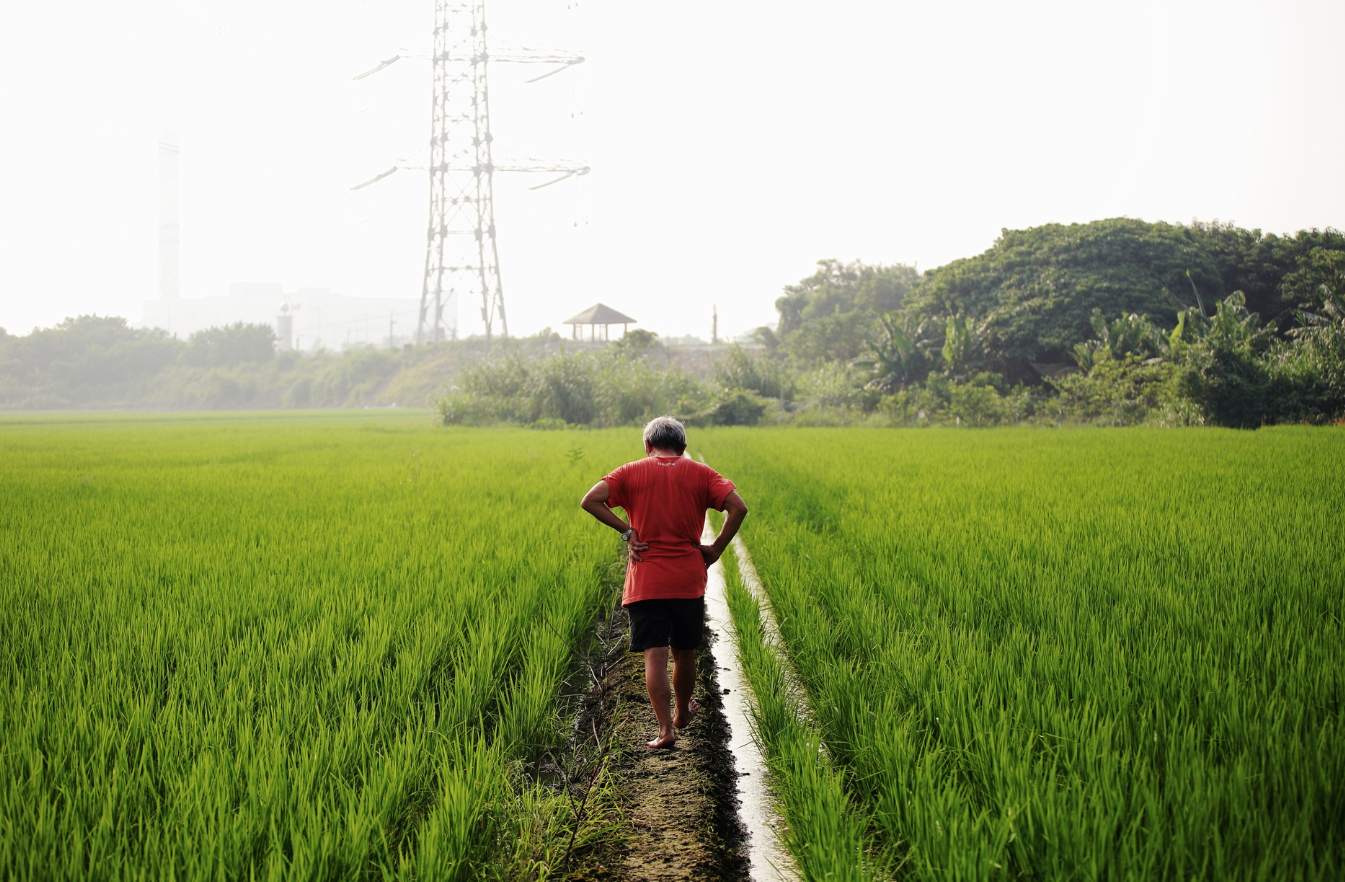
(303, 319)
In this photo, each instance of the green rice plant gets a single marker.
(1063, 655)
(822, 831)
(298, 647)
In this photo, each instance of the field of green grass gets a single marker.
(1050, 654)
(271, 646)
(326, 646)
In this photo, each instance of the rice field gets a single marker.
(328, 646)
(280, 647)
(1050, 655)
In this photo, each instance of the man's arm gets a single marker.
(595, 503)
(735, 510)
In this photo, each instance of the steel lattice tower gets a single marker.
(461, 257)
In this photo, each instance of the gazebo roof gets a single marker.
(598, 314)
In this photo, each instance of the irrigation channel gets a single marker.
(768, 859)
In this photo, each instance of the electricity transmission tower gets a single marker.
(461, 255)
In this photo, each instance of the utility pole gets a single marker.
(461, 255)
(460, 251)
(714, 326)
(391, 345)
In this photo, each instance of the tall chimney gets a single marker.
(170, 281)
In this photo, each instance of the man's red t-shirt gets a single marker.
(665, 498)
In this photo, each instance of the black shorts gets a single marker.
(666, 621)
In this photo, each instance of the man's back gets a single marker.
(666, 498)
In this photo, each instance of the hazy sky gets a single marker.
(732, 144)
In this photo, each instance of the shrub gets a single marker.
(768, 377)
(354, 377)
(979, 401)
(1229, 384)
(737, 408)
(300, 394)
(1307, 376)
(1124, 391)
(610, 387)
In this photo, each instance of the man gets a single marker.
(666, 495)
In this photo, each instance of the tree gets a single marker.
(764, 336)
(1122, 390)
(736, 408)
(87, 358)
(638, 341)
(833, 314)
(1277, 274)
(231, 345)
(1035, 290)
(1317, 279)
(839, 337)
(1247, 261)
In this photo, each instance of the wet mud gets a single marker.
(680, 805)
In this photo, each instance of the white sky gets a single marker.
(732, 144)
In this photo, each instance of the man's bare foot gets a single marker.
(663, 742)
(683, 722)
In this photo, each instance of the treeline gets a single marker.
(101, 362)
(1118, 322)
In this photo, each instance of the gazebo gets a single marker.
(598, 315)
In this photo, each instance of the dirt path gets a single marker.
(680, 804)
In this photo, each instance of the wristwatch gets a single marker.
(625, 537)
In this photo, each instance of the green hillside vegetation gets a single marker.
(1029, 298)
(1115, 322)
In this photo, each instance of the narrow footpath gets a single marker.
(681, 804)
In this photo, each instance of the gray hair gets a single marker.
(665, 433)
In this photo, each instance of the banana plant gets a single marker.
(1329, 318)
(962, 345)
(896, 356)
(1232, 324)
(1130, 335)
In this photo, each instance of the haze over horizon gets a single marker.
(731, 146)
